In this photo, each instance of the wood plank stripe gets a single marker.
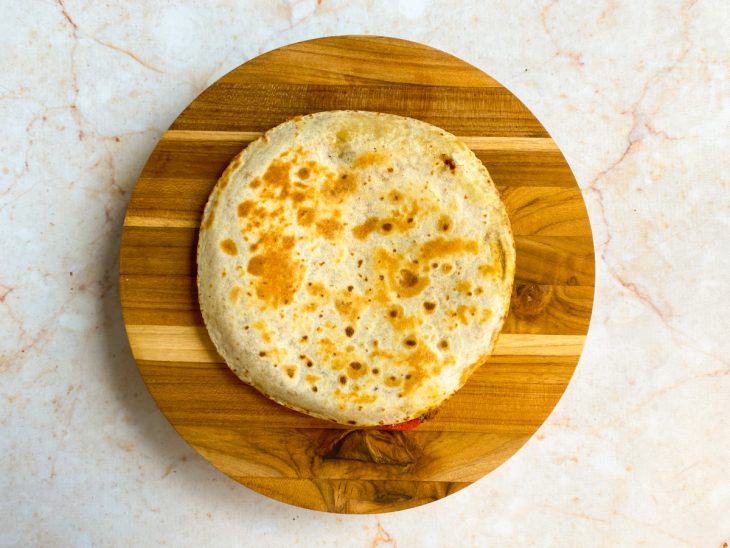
(485, 111)
(509, 394)
(474, 142)
(191, 343)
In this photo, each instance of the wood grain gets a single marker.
(313, 463)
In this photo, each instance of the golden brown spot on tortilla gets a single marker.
(443, 344)
(290, 371)
(229, 247)
(400, 321)
(316, 289)
(337, 188)
(234, 293)
(398, 278)
(278, 274)
(395, 196)
(463, 286)
(303, 173)
(255, 183)
(305, 216)
(419, 361)
(277, 177)
(392, 381)
(354, 396)
(479, 290)
(381, 354)
(429, 306)
(363, 231)
(461, 313)
(244, 208)
(311, 379)
(367, 159)
(329, 228)
(349, 331)
(441, 247)
(298, 196)
(375, 371)
(444, 223)
(263, 330)
(446, 268)
(262, 353)
(327, 349)
(356, 370)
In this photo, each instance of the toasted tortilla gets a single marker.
(355, 266)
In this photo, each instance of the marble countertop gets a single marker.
(636, 94)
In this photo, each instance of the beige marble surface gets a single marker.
(637, 95)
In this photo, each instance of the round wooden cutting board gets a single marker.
(309, 462)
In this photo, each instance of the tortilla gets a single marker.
(355, 266)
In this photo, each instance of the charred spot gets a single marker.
(387, 227)
(350, 288)
(349, 331)
(390, 170)
(343, 379)
(309, 363)
(314, 389)
(359, 263)
(443, 344)
(351, 422)
(376, 371)
(430, 306)
(305, 337)
(356, 365)
(410, 342)
(448, 162)
(408, 376)
(262, 353)
(409, 220)
(393, 313)
(407, 278)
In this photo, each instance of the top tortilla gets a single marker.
(355, 266)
